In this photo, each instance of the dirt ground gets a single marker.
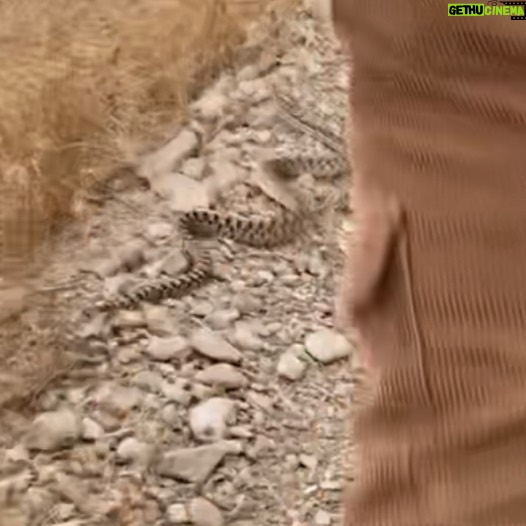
(228, 406)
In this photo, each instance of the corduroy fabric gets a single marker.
(438, 112)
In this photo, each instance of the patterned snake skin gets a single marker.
(328, 165)
(261, 232)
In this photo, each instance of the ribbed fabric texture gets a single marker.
(438, 110)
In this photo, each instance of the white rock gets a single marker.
(322, 518)
(149, 381)
(320, 9)
(170, 415)
(183, 193)
(210, 419)
(222, 375)
(327, 346)
(211, 105)
(160, 230)
(173, 264)
(169, 158)
(221, 319)
(260, 400)
(53, 430)
(129, 319)
(244, 337)
(179, 391)
(201, 391)
(225, 175)
(177, 514)
(131, 450)
(290, 365)
(160, 320)
(196, 464)
(249, 72)
(194, 168)
(167, 349)
(201, 308)
(132, 256)
(214, 346)
(246, 303)
(91, 430)
(204, 513)
(116, 398)
(18, 453)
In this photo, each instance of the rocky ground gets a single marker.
(228, 406)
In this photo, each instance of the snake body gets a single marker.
(261, 232)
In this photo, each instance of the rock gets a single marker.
(249, 72)
(16, 454)
(225, 175)
(117, 399)
(263, 277)
(320, 9)
(131, 450)
(209, 420)
(159, 231)
(132, 257)
(201, 391)
(174, 263)
(221, 319)
(179, 391)
(261, 445)
(167, 349)
(170, 416)
(109, 422)
(53, 430)
(194, 168)
(91, 430)
(204, 513)
(290, 365)
(292, 462)
(129, 319)
(148, 381)
(222, 375)
(177, 514)
(211, 105)
(201, 309)
(107, 267)
(214, 346)
(244, 337)
(159, 320)
(322, 518)
(259, 400)
(313, 264)
(128, 355)
(170, 157)
(308, 461)
(240, 432)
(255, 90)
(196, 464)
(327, 346)
(246, 303)
(94, 328)
(12, 300)
(182, 192)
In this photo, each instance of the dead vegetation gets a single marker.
(83, 84)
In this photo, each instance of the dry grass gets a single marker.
(82, 84)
